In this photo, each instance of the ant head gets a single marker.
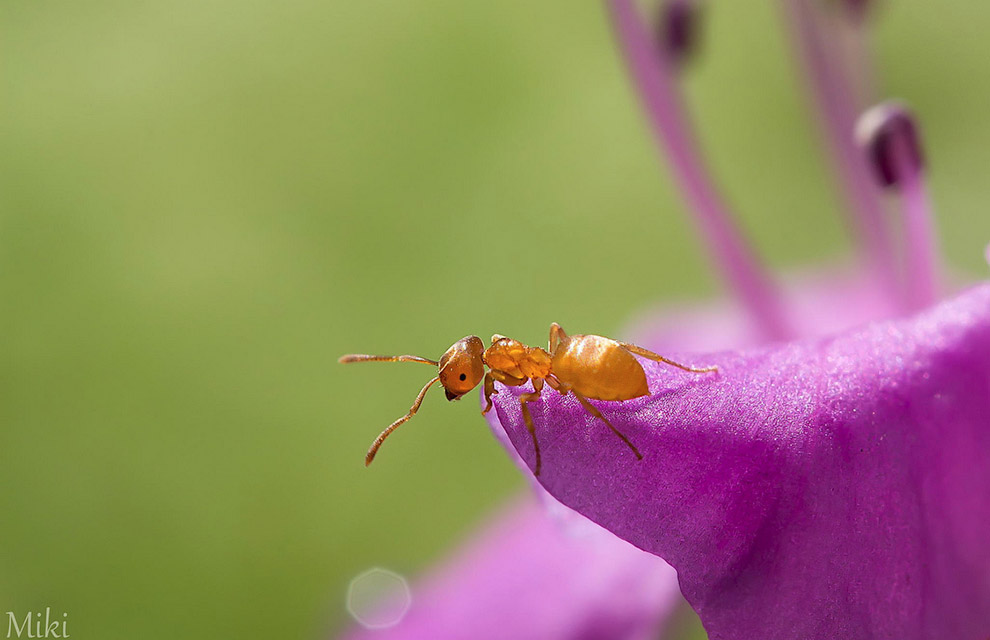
(461, 368)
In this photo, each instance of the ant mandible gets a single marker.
(589, 366)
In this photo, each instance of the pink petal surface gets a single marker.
(818, 302)
(541, 574)
(834, 487)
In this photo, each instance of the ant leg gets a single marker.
(556, 335)
(392, 427)
(640, 351)
(557, 385)
(489, 392)
(591, 409)
(497, 376)
(528, 419)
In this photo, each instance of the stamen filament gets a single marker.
(838, 115)
(853, 42)
(653, 78)
(890, 142)
(919, 231)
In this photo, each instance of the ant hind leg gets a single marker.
(656, 357)
(556, 335)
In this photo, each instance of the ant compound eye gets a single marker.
(463, 376)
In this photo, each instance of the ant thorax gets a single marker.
(515, 359)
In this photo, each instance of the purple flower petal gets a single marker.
(828, 488)
(537, 575)
(819, 302)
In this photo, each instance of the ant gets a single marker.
(589, 366)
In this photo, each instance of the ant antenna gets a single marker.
(360, 357)
(392, 427)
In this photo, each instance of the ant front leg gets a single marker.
(528, 418)
(497, 376)
(489, 392)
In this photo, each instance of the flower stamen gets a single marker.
(835, 100)
(855, 10)
(652, 76)
(677, 29)
(889, 137)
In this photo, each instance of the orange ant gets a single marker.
(588, 366)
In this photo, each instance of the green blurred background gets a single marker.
(204, 203)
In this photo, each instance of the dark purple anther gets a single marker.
(889, 137)
(677, 29)
(855, 9)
